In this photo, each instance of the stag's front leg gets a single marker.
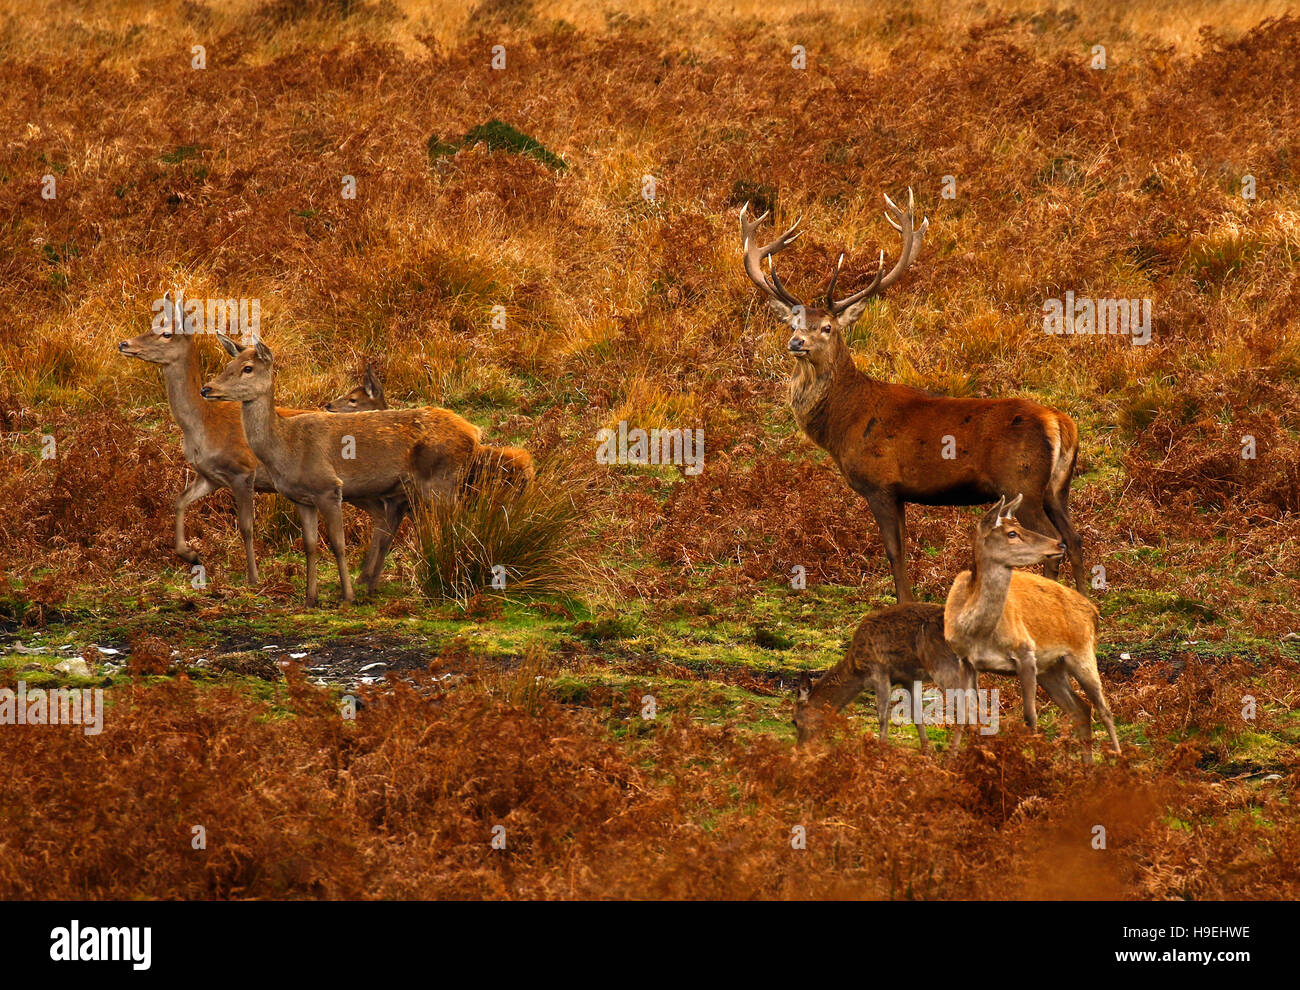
(890, 513)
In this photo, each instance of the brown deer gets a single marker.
(895, 444)
(512, 466)
(319, 460)
(214, 441)
(366, 397)
(1011, 622)
(900, 645)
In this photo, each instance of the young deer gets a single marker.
(214, 441)
(895, 444)
(366, 397)
(1011, 622)
(899, 645)
(319, 460)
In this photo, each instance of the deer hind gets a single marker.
(511, 467)
(1007, 621)
(900, 645)
(895, 444)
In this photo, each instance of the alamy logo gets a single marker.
(638, 446)
(1084, 315)
(238, 318)
(77, 944)
(953, 706)
(56, 706)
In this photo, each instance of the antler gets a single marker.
(904, 221)
(754, 256)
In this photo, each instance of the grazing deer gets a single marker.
(366, 397)
(1011, 622)
(895, 444)
(900, 645)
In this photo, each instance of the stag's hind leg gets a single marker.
(244, 502)
(1057, 685)
(1057, 506)
(331, 509)
(1027, 671)
(309, 518)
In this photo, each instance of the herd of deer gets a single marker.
(892, 443)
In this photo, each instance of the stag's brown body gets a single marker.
(895, 444)
(901, 645)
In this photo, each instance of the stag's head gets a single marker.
(169, 340)
(817, 329)
(1002, 540)
(247, 377)
(367, 396)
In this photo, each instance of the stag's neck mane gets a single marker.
(813, 394)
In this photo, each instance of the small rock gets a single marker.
(29, 651)
(74, 667)
(1291, 638)
(372, 666)
(108, 651)
(1273, 776)
(296, 656)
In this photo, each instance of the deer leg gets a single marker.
(890, 517)
(308, 517)
(881, 684)
(196, 489)
(1027, 671)
(394, 512)
(1085, 672)
(332, 512)
(1032, 515)
(375, 511)
(244, 496)
(1057, 686)
(1056, 505)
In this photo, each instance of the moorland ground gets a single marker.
(528, 711)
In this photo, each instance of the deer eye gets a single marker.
(248, 369)
(826, 328)
(352, 402)
(1012, 535)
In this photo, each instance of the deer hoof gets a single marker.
(188, 555)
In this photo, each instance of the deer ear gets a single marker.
(263, 352)
(851, 315)
(804, 689)
(371, 383)
(1009, 509)
(992, 519)
(231, 347)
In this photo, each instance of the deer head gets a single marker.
(365, 397)
(247, 377)
(1001, 540)
(817, 329)
(164, 345)
(807, 719)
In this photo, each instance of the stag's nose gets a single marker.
(796, 343)
(206, 391)
(123, 345)
(1061, 546)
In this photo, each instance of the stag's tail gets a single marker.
(511, 467)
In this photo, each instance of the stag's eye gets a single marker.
(248, 369)
(352, 402)
(1012, 535)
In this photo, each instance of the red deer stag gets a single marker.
(895, 444)
(1010, 622)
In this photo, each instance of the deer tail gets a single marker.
(1065, 455)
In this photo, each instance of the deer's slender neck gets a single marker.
(812, 389)
(987, 599)
(183, 380)
(263, 430)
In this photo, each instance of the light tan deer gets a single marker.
(901, 645)
(320, 460)
(1012, 622)
(895, 444)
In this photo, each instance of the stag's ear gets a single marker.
(851, 315)
(371, 383)
(1009, 509)
(804, 690)
(231, 347)
(263, 352)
